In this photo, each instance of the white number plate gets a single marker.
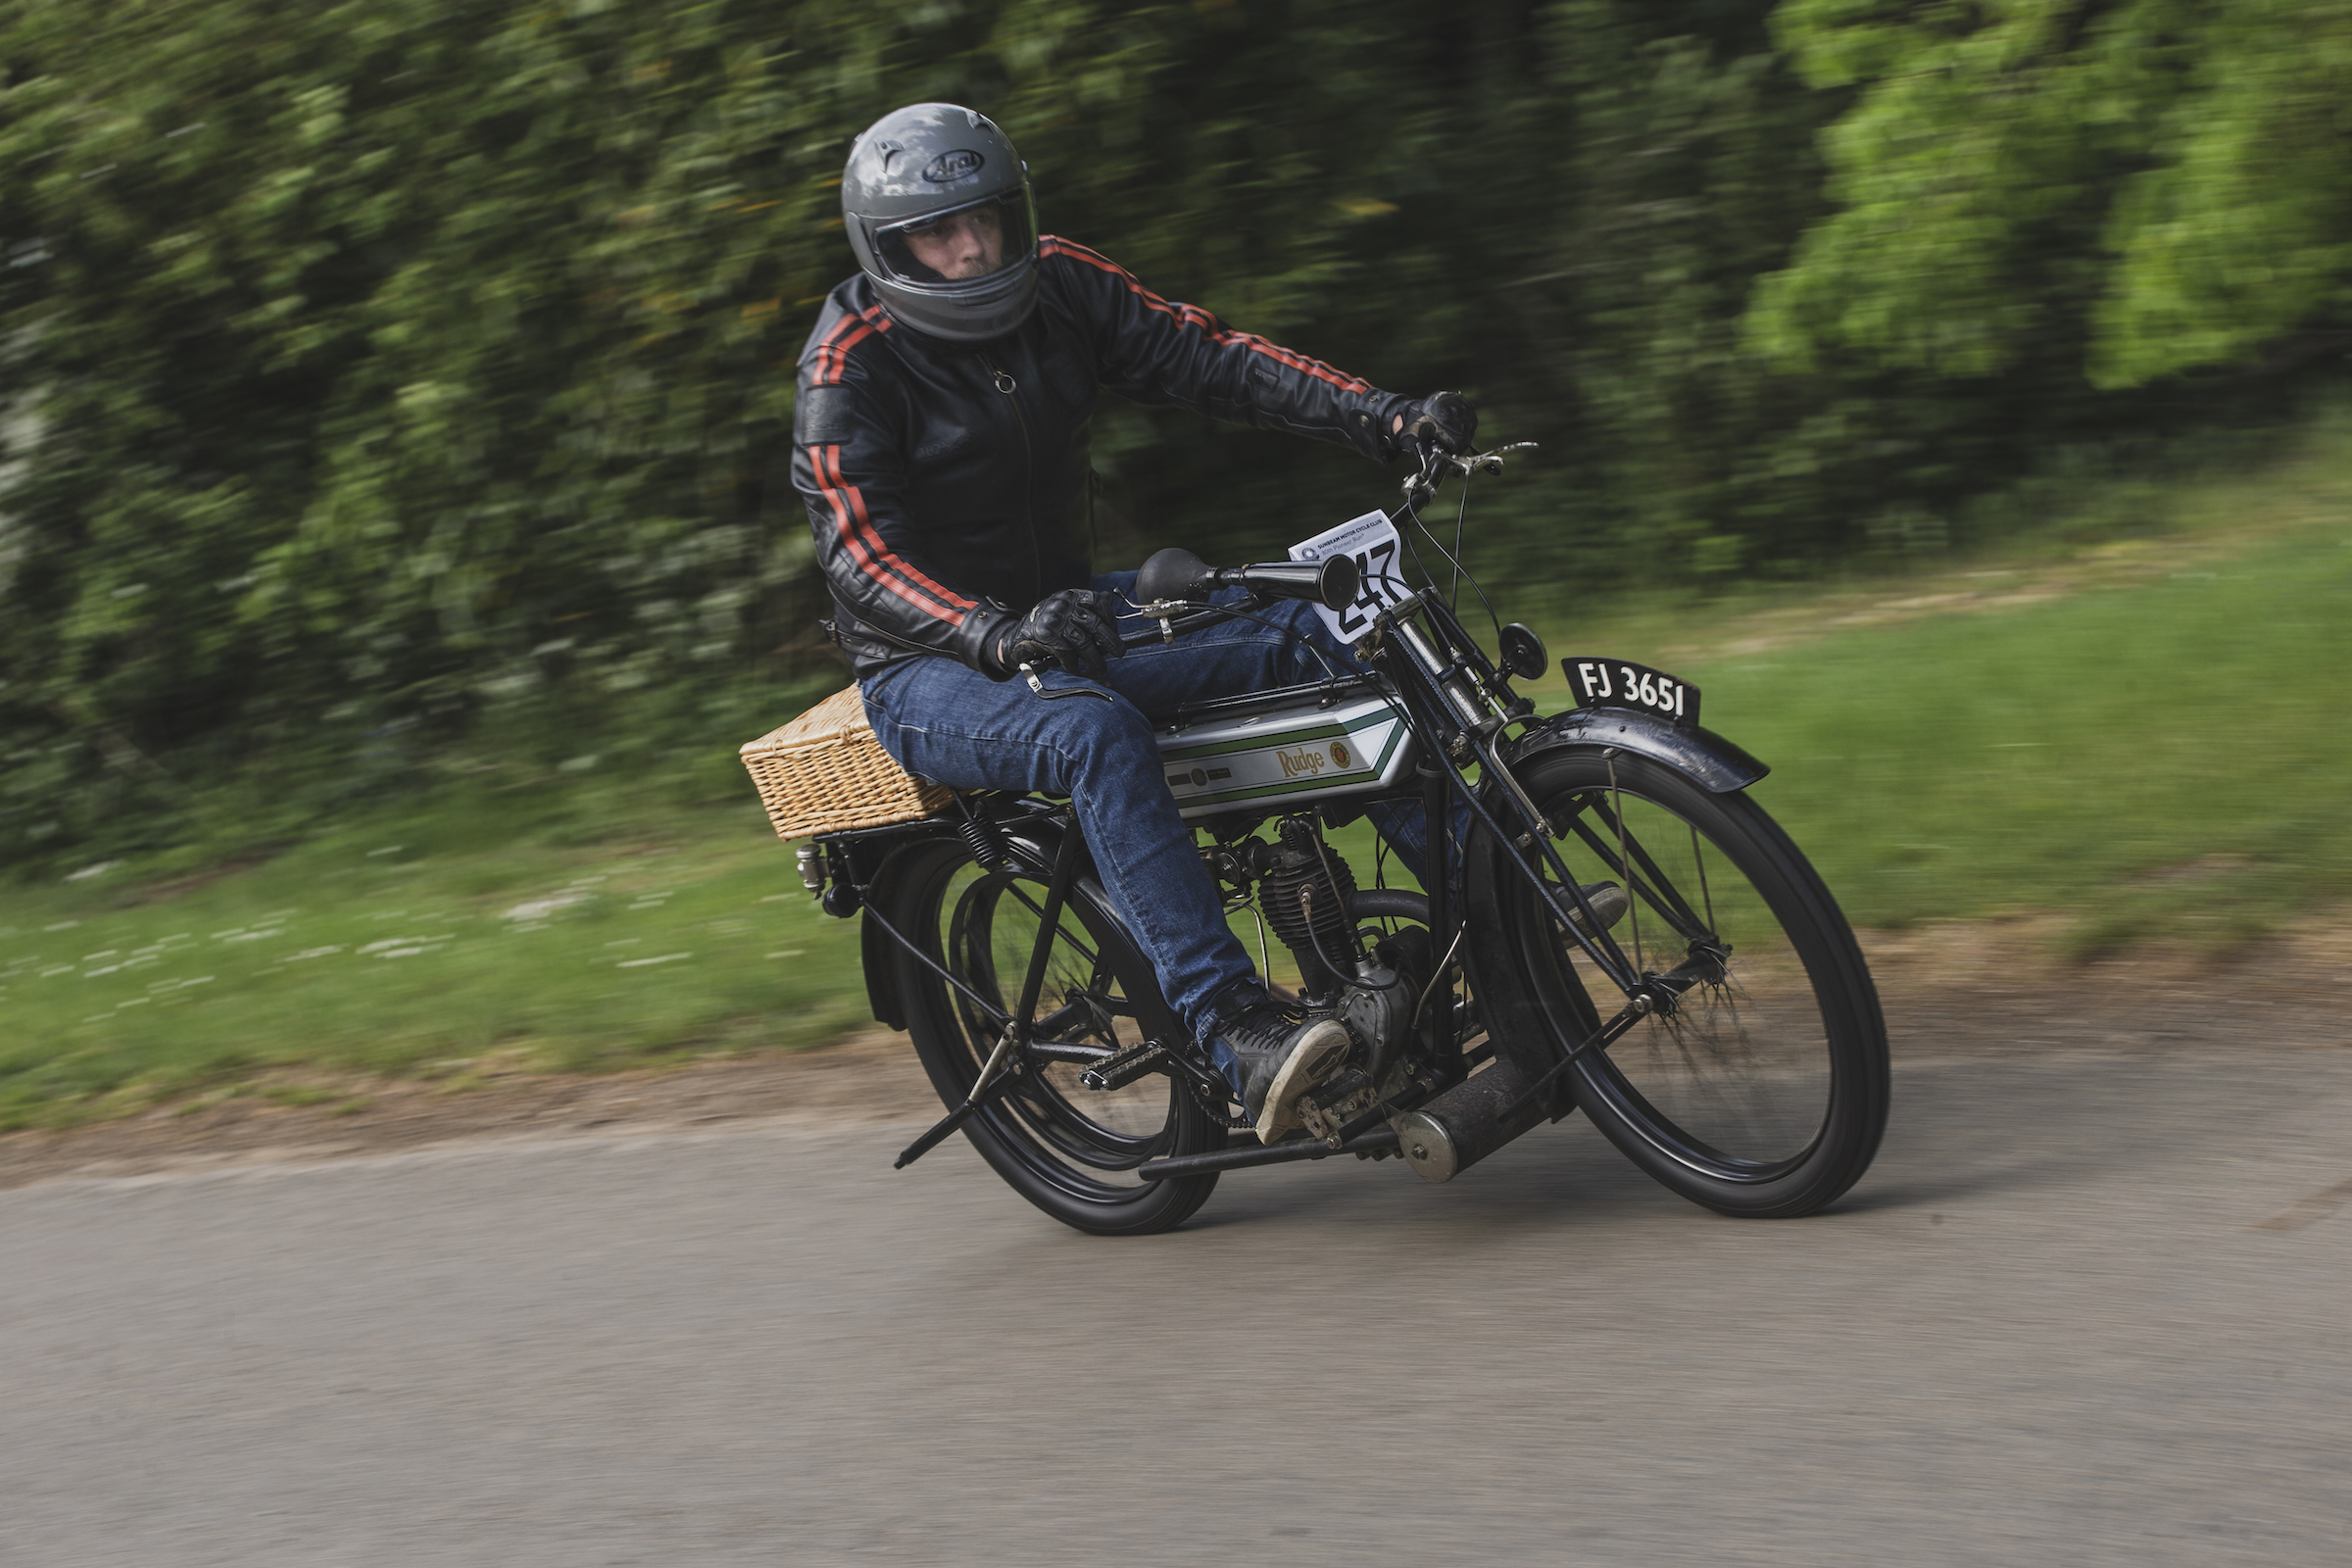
(1616, 683)
(1372, 540)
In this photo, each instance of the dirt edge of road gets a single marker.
(1956, 988)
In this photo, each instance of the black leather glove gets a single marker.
(1076, 628)
(1443, 419)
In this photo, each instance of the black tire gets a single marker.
(1070, 1150)
(1764, 1093)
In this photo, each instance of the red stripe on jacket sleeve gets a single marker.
(833, 353)
(1201, 321)
(873, 557)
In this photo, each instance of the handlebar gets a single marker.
(1178, 576)
(1175, 582)
(1423, 484)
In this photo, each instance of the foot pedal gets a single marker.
(1125, 1067)
(1330, 1104)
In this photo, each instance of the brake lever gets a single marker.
(1422, 487)
(1490, 461)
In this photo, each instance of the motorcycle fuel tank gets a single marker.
(1288, 753)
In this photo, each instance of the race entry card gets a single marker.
(1373, 541)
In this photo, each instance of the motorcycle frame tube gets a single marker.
(1437, 854)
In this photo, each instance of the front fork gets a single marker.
(1462, 707)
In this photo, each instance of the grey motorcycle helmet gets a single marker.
(937, 207)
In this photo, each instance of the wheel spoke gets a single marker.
(1650, 884)
(1732, 1084)
(1062, 931)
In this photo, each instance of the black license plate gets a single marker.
(1616, 683)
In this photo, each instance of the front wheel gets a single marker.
(1071, 1151)
(1762, 1091)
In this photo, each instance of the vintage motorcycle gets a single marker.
(1619, 930)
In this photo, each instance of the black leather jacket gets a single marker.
(947, 484)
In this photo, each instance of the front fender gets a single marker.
(1699, 755)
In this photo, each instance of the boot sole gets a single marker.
(1317, 1049)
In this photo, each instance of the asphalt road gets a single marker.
(2048, 1328)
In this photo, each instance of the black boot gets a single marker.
(1608, 901)
(1280, 1060)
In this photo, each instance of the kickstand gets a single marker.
(983, 1088)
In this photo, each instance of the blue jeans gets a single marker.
(954, 725)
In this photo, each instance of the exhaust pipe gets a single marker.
(1466, 1123)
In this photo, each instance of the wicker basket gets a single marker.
(824, 772)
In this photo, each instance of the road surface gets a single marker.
(2090, 1307)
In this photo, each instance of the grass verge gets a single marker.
(2150, 737)
(467, 933)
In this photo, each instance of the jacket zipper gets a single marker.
(1012, 390)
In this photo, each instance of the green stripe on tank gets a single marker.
(1347, 779)
(1264, 742)
(1269, 739)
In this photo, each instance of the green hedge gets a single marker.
(380, 374)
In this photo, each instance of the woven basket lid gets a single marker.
(838, 713)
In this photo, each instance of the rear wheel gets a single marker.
(1071, 1151)
(1762, 1090)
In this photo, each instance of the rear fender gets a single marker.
(1033, 840)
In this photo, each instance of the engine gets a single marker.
(1305, 891)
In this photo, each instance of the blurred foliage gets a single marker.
(2176, 169)
(374, 375)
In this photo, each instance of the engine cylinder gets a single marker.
(1305, 895)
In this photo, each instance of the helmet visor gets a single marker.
(961, 245)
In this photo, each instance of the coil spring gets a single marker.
(985, 840)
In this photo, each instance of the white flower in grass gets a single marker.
(541, 908)
(404, 947)
(165, 987)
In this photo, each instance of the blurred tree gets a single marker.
(2170, 172)
(372, 375)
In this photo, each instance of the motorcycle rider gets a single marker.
(940, 443)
